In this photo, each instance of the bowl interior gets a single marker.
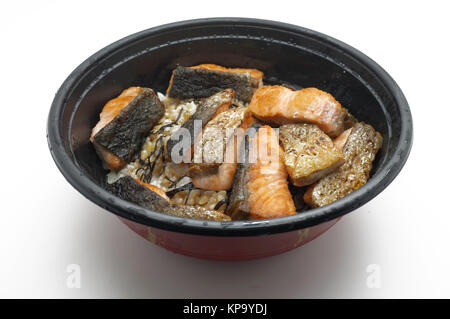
(297, 58)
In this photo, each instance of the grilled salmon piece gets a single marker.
(187, 83)
(209, 151)
(309, 154)
(124, 123)
(256, 75)
(222, 176)
(196, 212)
(132, 190)
(280, 105)
(238, 207)
(207, 109)
(360, 148)
(154, 189)
(268, 190)
(153, 198)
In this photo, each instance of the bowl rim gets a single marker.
(87, 187)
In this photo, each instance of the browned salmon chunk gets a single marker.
(208, 108)
(221, 176)
(196, 212)
(360, 148)
(209, 151)
(309, 154)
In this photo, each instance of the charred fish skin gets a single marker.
(125, 134)
(238, 207)
(255, 75)
(207, 108)
(133, 191)
(109, 111)
(360, 149)
(195, 212)
(128, 189)
(188, 83)
(309, 153)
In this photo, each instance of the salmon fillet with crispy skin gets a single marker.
(309, 154)
(256, 75)
(154, 198)
(238, 207)
(209, 151)
(154, 189)
(208, 108)
(124, 123)
(187, 83)
(360, 146)
(110, 111)
(222, 176)
(280, 105)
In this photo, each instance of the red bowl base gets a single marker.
(229, 248)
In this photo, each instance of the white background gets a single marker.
(47, 225)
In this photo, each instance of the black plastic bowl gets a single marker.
(286, 54)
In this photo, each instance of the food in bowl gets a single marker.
(221, 145)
